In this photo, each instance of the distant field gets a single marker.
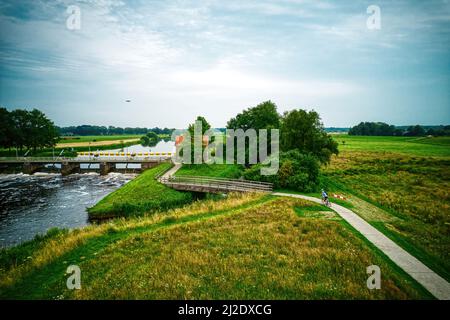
(72, 146)
(243, 247)
(95, 141)
(402, 187)
(97, 138)
(433, 147)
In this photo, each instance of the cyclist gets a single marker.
(325, 197)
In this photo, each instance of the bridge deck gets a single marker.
(215, 185)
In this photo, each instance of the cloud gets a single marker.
(182, 57)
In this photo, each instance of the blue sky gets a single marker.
(178, 59)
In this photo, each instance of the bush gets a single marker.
(297, 171)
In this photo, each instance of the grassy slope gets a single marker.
(141, 195)
(244, 247)
(231, 171)
(405, 196)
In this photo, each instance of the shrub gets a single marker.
(297, 171)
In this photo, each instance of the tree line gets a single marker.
(384, 129)
(90, 130)
(31, 130)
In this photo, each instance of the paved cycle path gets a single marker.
(431, 281)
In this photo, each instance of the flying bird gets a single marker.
(127, 100)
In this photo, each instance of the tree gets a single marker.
(415, 131)
(191, 129)
(205, 126)
(30, 129)
(374, 129)
(20, 127)
(150, 139)
(6, 130)
(263, 116)
(42, 131)
(304, 131)
(298, 171)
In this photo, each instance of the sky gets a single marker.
(175, 60)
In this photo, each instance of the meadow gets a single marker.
(141, 195)
(231, 171)
(94, 142)
(411, 146)
(402, 187)
(246, 246)
(87, 139)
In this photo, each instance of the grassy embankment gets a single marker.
(402, 187)
(144, 194)
(244, 247)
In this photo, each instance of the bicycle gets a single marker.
(326, 202)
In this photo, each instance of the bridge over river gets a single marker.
(109, 163)
(103, 164)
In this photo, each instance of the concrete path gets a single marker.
(172, 171)
(435, 284)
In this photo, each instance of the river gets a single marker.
(32, 204)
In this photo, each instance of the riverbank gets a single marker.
(246, 246)
(142, 195)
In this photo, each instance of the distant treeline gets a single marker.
(384, 129)
(88, 130)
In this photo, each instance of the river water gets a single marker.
(32, 204)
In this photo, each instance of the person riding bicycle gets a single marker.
(324, 196)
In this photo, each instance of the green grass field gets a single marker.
(402, 187)
(243, 247)
(70, 139)
(231, 171)
(141, 195)
(412, 146)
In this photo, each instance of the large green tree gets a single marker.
(263, 116)
(6, 130)
(27, 129)
(205, 126)
(191, 129)
(304, 131)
